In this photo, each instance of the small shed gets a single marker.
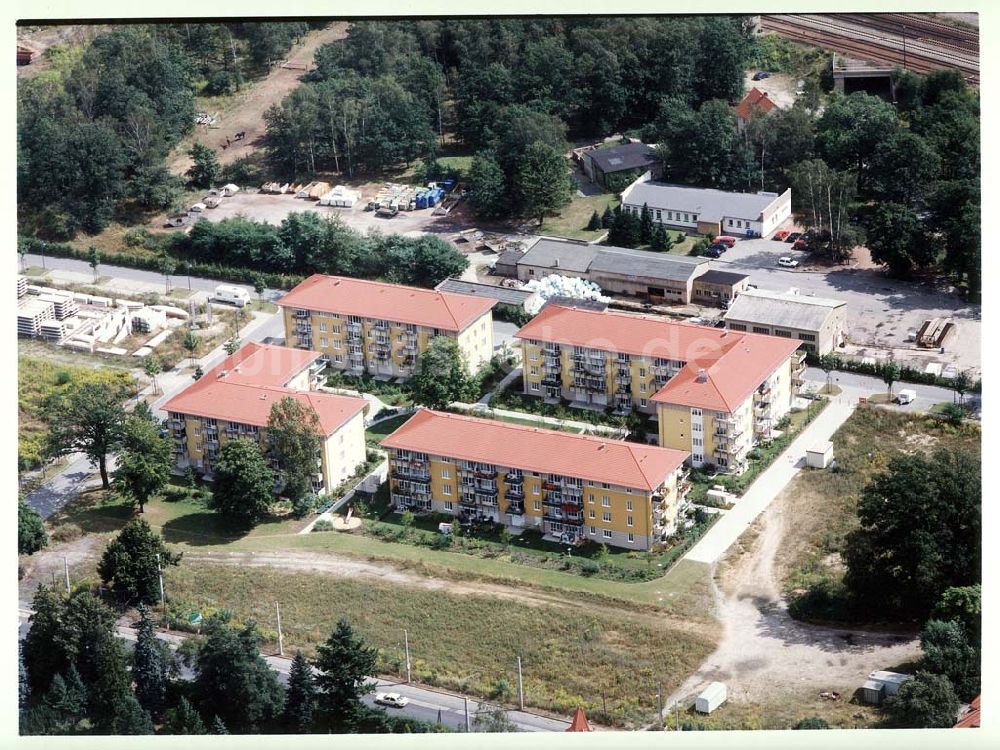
(820, 455)
(881, 684)
(711, 698)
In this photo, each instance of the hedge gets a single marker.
(906, 374)
(154, 263)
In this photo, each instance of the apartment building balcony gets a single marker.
(598, 385)
(180, 449)
(623, 376)
(574, 519)
(511, 478)
(485, 473)
(553, 362)
(486, 491)
(303, 328)
(175, 424)
(301, 314)
(551, 382)
(354, 325)
(725, 425)
(468, 502)
(515, 508)
(623, 387)
(421, 477)
(551, 350)
(411, 503)
(514, 493)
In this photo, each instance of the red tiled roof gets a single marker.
(253, 382)
(735, 363)
(579, 723)
(373, 299)
(971, 719)
(756, 101)
(618, 462)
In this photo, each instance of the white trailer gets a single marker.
(232, 295)
(711, 698)
(906, 396)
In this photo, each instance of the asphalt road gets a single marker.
(425, 705)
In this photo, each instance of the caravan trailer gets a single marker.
(231, 295)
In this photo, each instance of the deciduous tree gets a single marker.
(145, 461)
(88, 418)
(294, 441)
(441, 375)
(243, 482)
(132, 561)
(31, 535)
(926, 701)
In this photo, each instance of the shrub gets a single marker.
(813, 722)
(323, 525)
(589, 568)
(66, 532)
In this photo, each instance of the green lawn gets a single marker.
(572, 220)
(382, 429)
(35, 271)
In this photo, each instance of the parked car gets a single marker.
(787, 262)
(393, 700)
(718, 246)
(724, 239)
(800, 244)
(761, 75)
(712, 252)
(793, 236)
(780, 236)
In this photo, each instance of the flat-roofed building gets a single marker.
(507, 298)
(570, 487)
(380, 329)
(817, 324)
(718, 288)
(688, 376)
(234, 399)
(706, 210)
(658, 277)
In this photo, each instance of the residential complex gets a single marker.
(658, 277)
(234, 400)
(708, 211)
(571, 487)
(380, 329)
(818, 324)
(714, 392)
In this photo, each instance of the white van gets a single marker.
(232, 295)
(906, 396)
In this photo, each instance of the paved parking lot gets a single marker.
(880, 310)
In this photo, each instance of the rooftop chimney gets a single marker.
(702, 376)
(223, 373)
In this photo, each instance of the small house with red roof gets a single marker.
(234, 400)
(755, 104)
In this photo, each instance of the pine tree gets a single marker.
(23, 687)
(184, 719)
(110, 701)
(607, 218)
(300, 700)
(595, 222)
(150, 666)
(645, 224)
(218, 727)
(345, 663)
(658, 240)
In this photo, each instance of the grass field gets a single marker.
(822, 504)
(571, 655)
(382, 429)
(572, 220)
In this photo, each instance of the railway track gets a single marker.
(915, 28)
(881, 40)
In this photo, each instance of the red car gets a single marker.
(780, 236)
(724, 239)
(800, 244)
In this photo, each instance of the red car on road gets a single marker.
(780, 236)
(724, 239)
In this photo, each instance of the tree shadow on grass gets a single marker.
(205, 528)
(93, 514)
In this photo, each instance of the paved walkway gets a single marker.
(768, 485)
(480, 408)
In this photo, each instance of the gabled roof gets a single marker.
(783, 309)
(374, 299)
(755, 102)
(635, 465)
(971, 718)
(734, 363)
(562, 255)
(708, 203)
(579, 723)
(245, 385)
(502, 294)
(575, 257)
(619, 158)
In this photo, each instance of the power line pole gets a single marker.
(406, 648)
(468, 724)
(281, 640)
(66, 572)
(520, 685)
(163, 596)
(659, 701)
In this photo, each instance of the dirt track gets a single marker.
(763, 651)
(247, 112)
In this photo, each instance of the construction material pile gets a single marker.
(561, 286)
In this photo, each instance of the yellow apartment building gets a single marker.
(572, 488)
(234, 400)
(369, 327)
(714, 393)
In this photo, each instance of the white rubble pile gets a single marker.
(561, 286)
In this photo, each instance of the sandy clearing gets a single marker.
(46, 566)
(247, 111)
(763, 649)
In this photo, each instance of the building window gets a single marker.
(593, 530)
(631, 537)
(605, 501)
(737, 327)
(339, 359)
(533, 356)
(538, 505)
(446, 489)
(446, 473)
(322, 343)
(697, 457)
(642, 372)
(591, 498)
(628, 505)
(534, 370)
(697, 442)
(696, 412)
(658, 214)
(534, 385)
(739, 223)
(607, 533)
(807, 337)
(536, 490)
(642, 402)
(782, 334)
(762, 329)
(606, 517)
(449, 505)
(697, 427)
(642, 387)
(628, 521)
(592, 514)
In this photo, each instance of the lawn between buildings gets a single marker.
(823, 504)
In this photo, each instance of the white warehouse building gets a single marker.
(706, 210)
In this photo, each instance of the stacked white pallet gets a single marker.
(53, 330)
(31, 314)
(63, 305)
(22, 286)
